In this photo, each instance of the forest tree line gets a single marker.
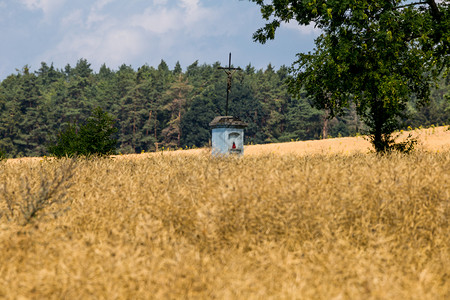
(172, 108)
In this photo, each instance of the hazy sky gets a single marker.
(138, 32)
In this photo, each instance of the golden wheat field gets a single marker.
(307, 220)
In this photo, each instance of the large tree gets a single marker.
(377, 54)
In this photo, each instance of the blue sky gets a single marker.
(138, 32)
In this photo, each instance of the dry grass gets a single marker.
(431, 139)
(270, 226)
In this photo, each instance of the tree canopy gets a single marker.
(374, 54)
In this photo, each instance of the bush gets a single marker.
(92, 138)
(67, 143)
(387, 144)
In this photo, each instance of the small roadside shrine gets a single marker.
(227, 135)
(227, 131)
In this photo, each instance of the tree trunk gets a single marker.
(377, 138)
(325, 124)
(133, 139)
(179, 128)
(156, 122)
(380, 138)
(149, 121)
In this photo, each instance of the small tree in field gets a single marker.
(95, 137)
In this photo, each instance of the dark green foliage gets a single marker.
(437, 112)
(92, 138)
(2, 155)
(96, 135)
(67, 142)
(195, 124)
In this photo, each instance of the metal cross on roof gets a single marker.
(230, 71)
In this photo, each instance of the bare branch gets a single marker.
(411, 4)
(33, 200)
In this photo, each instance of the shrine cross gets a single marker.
(230, 71)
